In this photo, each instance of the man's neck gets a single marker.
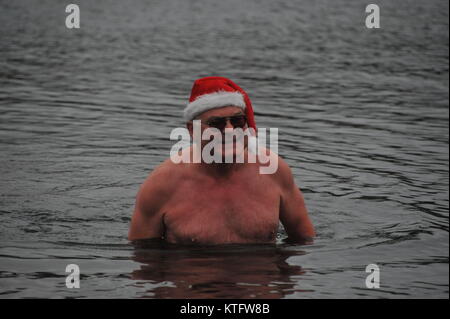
(220, 170)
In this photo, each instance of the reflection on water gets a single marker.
(254, 271)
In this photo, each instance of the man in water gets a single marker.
(220, 203)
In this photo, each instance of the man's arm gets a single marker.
(147, 220)
(293, 212)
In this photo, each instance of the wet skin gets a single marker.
(219, 203)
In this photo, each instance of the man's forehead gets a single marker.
(223, 111)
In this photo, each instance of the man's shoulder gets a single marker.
(283, 174)
(165, 174)
(161, 183)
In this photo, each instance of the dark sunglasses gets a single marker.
(238, 121)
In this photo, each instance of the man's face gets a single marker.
(227, 117)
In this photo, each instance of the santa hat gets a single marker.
(213, 92)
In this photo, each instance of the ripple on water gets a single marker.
(363, 121)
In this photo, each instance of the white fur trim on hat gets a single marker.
(211, 101)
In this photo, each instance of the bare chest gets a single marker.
(235, 212)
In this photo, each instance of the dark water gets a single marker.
(362, 114)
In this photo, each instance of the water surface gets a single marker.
(362, 114)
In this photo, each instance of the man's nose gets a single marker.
(229, 125)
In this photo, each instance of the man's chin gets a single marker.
(232, 151)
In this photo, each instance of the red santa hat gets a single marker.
(213, 92)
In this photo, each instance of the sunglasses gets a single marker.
(238, 121)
